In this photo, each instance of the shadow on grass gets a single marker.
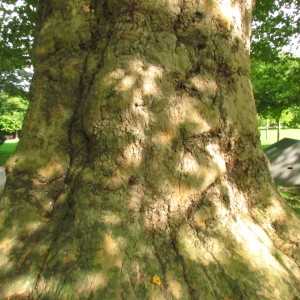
(292, 196)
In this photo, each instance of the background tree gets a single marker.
(289, 118)
(17, 21)
(140, 174)
(295, 121)
(276, 26)
(12, 112)
(276, 86)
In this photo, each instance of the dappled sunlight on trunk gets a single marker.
(155, 186)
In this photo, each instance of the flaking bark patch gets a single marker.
(139, 174)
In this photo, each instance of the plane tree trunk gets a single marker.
(139, 174)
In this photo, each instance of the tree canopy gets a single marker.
(276, 25)
(17, 22)
(276, 85)
(12, 112)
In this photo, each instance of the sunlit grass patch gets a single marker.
(292, 197)
(272, 135)
(6, 151)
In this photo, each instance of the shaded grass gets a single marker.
(292, 196)
(272, 135)
(6, 151)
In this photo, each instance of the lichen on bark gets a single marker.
(140, 159)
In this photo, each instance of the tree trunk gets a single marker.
(278, 129)
(139, 174)
(267, 129)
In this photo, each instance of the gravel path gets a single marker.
(2, 169)
(2, 178)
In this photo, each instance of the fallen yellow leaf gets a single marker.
(156, 280)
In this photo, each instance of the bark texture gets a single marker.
(139, 174)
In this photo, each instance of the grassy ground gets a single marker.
(292, 197)
(290, 194)
(6, 150)
(272, 135)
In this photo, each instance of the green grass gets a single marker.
(272, 135)
(8, 148)
(290, 194)
(6, 151)
(292, 197)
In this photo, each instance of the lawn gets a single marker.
(290, 194)
(272, 135)
(6, 150)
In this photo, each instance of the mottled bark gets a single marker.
(139, 174)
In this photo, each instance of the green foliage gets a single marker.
(295, 113)
(17, 22)
(276, 86)
(12, 112)
(275, 25)
(2, 137)
(288, 117)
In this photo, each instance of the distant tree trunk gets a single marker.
(278, 129)
(139, 174)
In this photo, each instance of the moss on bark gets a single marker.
(139, 174)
